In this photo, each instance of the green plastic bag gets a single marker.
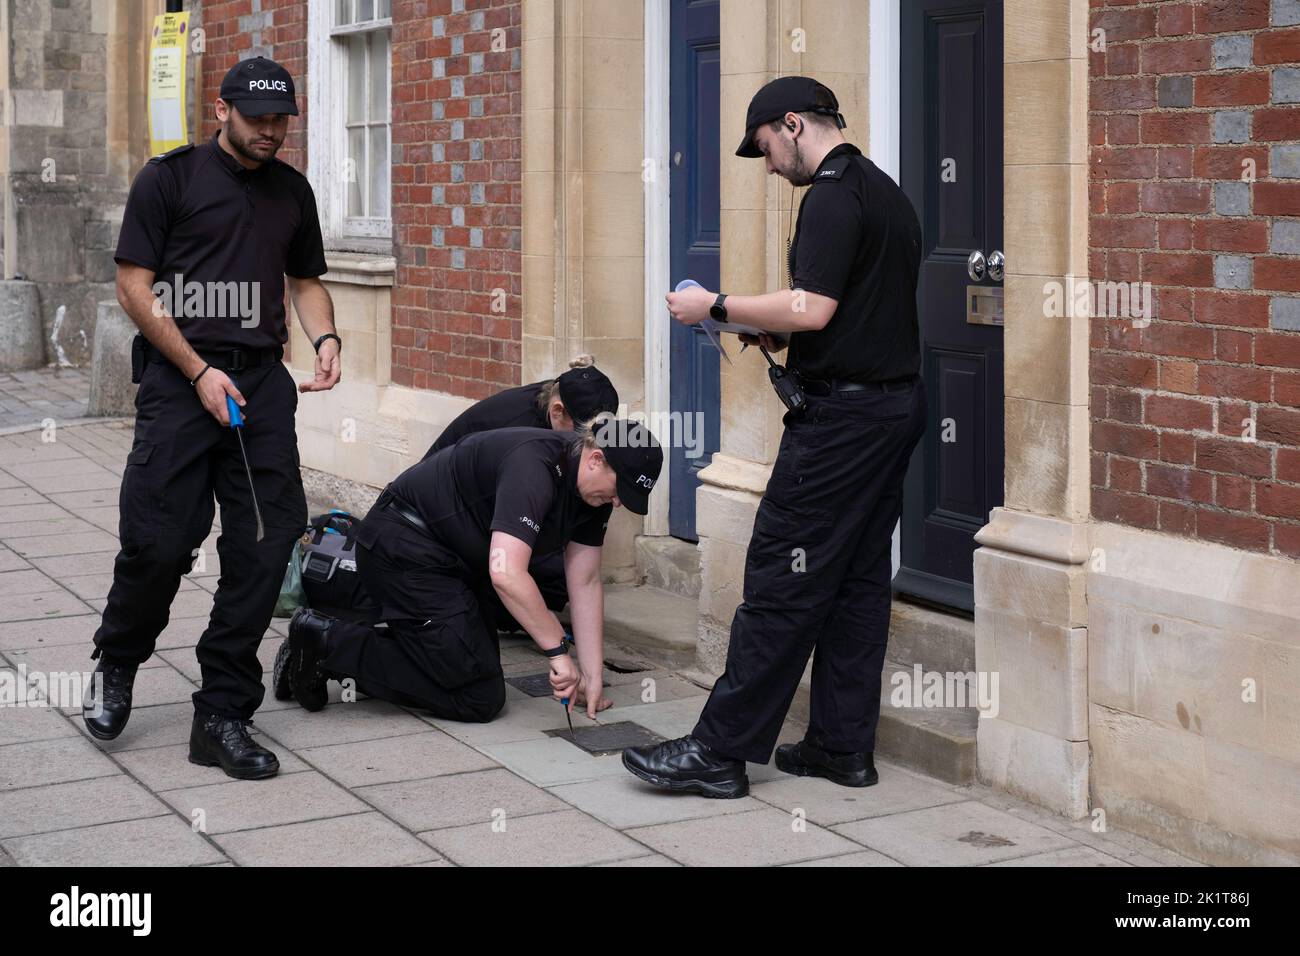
(291, 593)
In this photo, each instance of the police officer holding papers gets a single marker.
(836, 488)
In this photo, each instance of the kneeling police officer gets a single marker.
(578, 395)
(454, 531)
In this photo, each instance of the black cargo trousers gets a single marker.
(181, 457)
(438, 650)
(817, 576)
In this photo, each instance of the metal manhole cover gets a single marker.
(604, 739)
(534, 685)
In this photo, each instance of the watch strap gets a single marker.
(328, 335)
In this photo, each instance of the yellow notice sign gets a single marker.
(167, 126)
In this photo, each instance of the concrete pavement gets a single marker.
(367, 782)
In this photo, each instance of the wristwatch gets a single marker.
(718, 311)
(558, 651)
(328, 335)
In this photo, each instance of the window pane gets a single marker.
(378, 75)
(356, 78)
(385, 8)
(379, 172)
(356, 170)
(342, 12)
(365, 10)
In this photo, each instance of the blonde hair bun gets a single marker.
(585, 360)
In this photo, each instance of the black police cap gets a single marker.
(258, 86)
(636, 457)
(586, 392)
(787, 94)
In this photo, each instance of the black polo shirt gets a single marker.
(512, 408)
(857, 241)
(522, 481)
(197, 213)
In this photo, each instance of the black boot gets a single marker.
(107, 703)
(307, 633)
(808, 759)
(280, 686)
(225, 742)
(689, 766)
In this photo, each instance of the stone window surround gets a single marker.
(324, 66)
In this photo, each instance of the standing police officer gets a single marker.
(454, 534)
(217, 227)
(817, 573)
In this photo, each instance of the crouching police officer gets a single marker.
(836, 488)
(459, 527)
(578, 395)
(218, 225)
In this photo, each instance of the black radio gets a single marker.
(787, 388)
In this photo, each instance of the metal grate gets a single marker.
(534, 685)
(604, 739)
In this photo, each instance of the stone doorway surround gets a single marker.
(1030, 608)
(583, 221)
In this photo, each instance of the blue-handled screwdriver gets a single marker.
(237, 423)
(568, 639)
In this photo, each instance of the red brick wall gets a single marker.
(281, 26)
(1183, 93)
(456, 195)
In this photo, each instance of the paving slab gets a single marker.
(362, 839)
(252, 804)
(338, 724)
(829, 803)
(169, 768)
(42, 544)
(1069, 856)
(960, 834)
(69, 565)
(64, 806)
(41, 605)
(23, 724)
(17, 493)
(623, 801)
(42, 762)
(11, 532)
(764, 837)
(460, 799)
(861, 858)
(553, 761)
(392, 759)
(48, 632)
(12, 561)
(567, 838)
(29, 581)
(22, 514)
(156, 841)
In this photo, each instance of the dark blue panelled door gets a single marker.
(951, 163)
(693, 165)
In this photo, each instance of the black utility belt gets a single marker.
(388, 501)
(822, 387)
(228, 360)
